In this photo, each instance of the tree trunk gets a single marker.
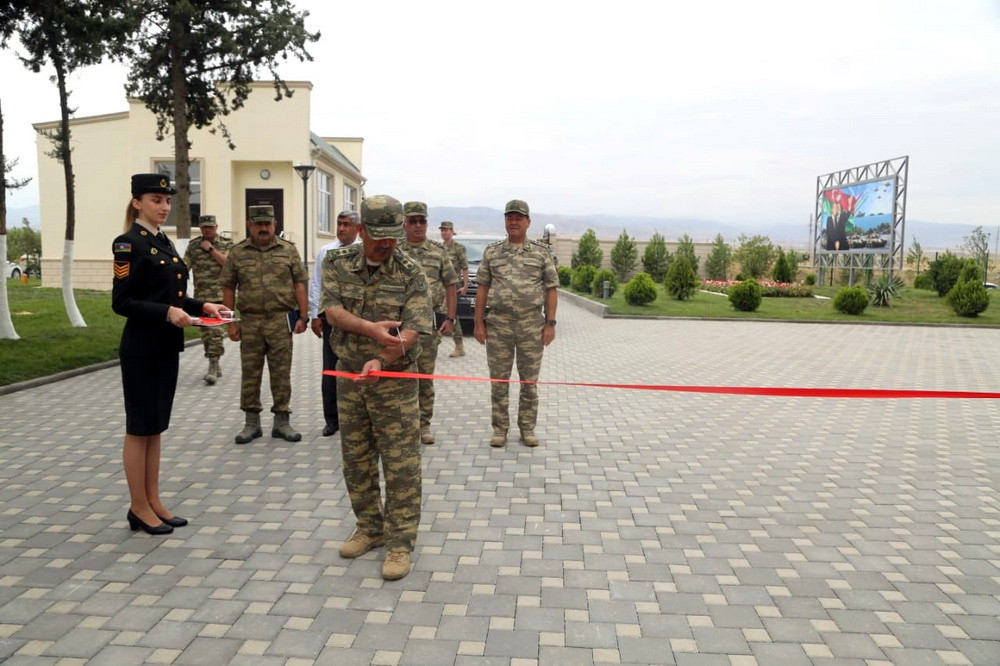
(7, 331)
(66, 156)
(178, 80)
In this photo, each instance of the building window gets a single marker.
(350, 198)
(169, 169)
(324, 201)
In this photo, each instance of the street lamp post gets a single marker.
(305, 170)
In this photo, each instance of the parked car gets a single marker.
(474, 246)
(13, 271)
(989, 285)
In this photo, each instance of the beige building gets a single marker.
(271, 137)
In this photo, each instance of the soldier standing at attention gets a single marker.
(272, 283)
(377, 301)
(460, 262)
(347, 234)
(205, 255)
(517, 278)
(441, 279)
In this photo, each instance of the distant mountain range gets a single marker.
(484, 220)
(931, 235)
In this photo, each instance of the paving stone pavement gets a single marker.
(648, 528)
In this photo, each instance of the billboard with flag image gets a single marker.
(857, 217)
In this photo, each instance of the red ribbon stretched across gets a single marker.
(780, 391)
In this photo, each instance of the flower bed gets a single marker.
(769, 288)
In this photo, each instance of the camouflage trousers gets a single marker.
(456, 333)
(265, 337)
(510, 339)
(426, 360)
(379, 422)
(212, 339)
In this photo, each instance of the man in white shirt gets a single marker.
(347, 234)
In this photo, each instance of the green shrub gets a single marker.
(681, 281)
(851, 300)
(640, 290)
(782, 270)
(811, 280)
(968, 297)
(944, 272)
(746, 296)
(883, 289)
(583, 276)
(597, 284)
(923, 281)
(565, 276)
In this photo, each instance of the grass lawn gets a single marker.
(912, 306)
(48, 343)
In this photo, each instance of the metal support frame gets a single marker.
(826, 262)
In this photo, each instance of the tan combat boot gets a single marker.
(251, 428)
(396, 565)
(213, 373)
(459, 351)
(359, 544)
(283, 429)
(499, 437)
(528, 438)
(426, 437)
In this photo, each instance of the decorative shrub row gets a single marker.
(769, 289)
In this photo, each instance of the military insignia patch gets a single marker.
(122, 247)
(121, 269)
(153, 250)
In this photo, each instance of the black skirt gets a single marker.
(148, 384)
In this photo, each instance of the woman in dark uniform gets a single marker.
(150, 287)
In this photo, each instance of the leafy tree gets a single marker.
(977, 246)
(624, 256)
(192, 63)
(781, 271)
(944, 272)
(755, 255)
(656, 258)
(588, 251)
(717, 263)
(915, 255)
(685, 248)
(25, 241)
(597, 284)
(792, 258)
(7, 331)
(681, 281)
(66, 35)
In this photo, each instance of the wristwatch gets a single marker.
(550, 322)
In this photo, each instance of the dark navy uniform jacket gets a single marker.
(150, 276)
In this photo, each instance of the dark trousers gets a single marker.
(329, 383)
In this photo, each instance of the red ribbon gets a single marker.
(779, 391)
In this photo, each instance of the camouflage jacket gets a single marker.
(397, 291)
(205, 268)
(459, 257)
(265, 276)
(433, 258)
(517, 277)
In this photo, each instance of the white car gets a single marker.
(13, 271)
(989, 285)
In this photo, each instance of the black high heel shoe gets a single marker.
(176, 521)
(135, 524)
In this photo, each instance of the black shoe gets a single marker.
(330, 429)
(176, 521)
(136, 524)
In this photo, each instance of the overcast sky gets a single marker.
(720, 110)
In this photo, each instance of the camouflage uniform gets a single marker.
(460, 262)
(380, 420)
(207, 287)
(517, 278)
(265, 277)
(432, 256)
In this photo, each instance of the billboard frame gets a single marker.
(827, 261)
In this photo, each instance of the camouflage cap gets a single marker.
(415, 208)
(207, 221)
(516, 206)
(447, 225)
(382, 217)
(261, 213)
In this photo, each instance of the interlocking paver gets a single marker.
(649, 527)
